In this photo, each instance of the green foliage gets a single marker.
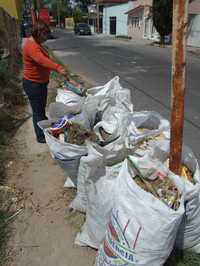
(78, 15)
(63, 7)
(83, 5)
(162, 17)
(186, 258)
(10, 90)
(5, 232)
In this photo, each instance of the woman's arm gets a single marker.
(39, 57)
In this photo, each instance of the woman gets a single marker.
(36, 71)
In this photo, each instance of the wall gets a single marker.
(12, 7)
(136, 31)
(194, 30)
(144, 27)
(10, 37)
(121, 18)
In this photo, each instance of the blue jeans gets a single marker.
(37, 95)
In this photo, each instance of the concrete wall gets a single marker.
(194, 30)
(121, 18)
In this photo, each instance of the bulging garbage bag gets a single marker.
(99, 205)
(188, 236)
(141, 229)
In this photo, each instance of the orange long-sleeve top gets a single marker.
(36, 62)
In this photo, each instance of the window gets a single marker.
(135, 21)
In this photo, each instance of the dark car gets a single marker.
(82, 29)
(26, 28)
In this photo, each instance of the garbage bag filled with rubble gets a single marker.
(65, 140)
(113, 89)
(145, 218)
(146, 125)
(188, 236)
(99, 198)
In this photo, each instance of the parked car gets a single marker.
(82, 29)
(26, 28)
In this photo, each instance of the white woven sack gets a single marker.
(115, 124)
(153, 123)
(91, 168)
(142, 229)
(188, 236)
(67, 154)
(99, 205)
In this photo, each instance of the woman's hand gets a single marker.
(64, 72)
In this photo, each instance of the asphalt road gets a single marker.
(143, 68)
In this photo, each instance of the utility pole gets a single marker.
(180, 18)
(98, 16)
(36, 5)
(58, 12)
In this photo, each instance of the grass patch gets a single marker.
(5, 232)
(180, 258)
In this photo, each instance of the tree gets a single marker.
(162, 17)
(77, 15)
(61, 7)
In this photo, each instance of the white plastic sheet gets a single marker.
(114, 90)
(70, 99)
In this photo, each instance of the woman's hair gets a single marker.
(39, 27)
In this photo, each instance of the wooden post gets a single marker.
(36, 5)
(180, 15)
(98, 17)
(58, 13)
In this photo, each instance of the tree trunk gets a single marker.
(162, 39)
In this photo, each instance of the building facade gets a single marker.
(140, 22)
(194, 24)
(115, 17)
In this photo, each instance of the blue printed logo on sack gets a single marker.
(116, 250)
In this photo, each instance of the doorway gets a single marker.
(113, 25)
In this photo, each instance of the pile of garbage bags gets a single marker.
(136, 209)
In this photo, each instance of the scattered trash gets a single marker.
(162, 188)
(9, 164)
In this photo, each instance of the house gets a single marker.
(140, 23)
(194, 24)
(115, 16)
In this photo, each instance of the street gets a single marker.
(143, 68)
